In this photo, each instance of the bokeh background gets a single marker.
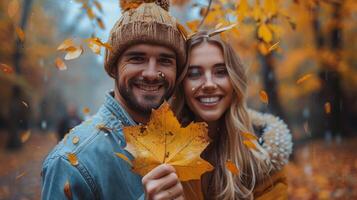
(300, 56)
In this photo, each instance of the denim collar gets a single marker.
(117, 110)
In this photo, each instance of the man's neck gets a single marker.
(136, 116)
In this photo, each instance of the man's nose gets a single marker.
(151, 71)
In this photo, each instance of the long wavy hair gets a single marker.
(228, 143)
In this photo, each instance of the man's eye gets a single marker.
(165, 61)
(136, 59)
(193, 73)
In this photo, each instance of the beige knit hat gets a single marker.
(145, 21)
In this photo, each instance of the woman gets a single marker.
(214, 87)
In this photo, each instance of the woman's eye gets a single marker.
(221, 72)
(193, 73)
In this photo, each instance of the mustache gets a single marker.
(142, 80)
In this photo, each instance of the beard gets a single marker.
(126, 91)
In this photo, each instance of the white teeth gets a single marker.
(148, 87)
(209, 99)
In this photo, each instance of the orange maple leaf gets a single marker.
(232, 167)
(163, 140)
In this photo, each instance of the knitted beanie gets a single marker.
(145, 22)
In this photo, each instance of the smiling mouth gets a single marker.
(209, 101)
(148, 88)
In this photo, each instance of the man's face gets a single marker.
(146, 76)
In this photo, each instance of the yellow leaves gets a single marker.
(20, 34)
(73, 52)
(232, 167)
(264, 97)
(271, 7)
(67, 190)
(72, 159)
(6, 68)
(124, 157)
(13, 8)
(327, 107)
(193, 25)
(303, 78)
(182, 30)
(264, 33)
(25, 136)
(60, 64)
(163, 140)
(98, 6)
(242, 9)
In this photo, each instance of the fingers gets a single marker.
(175, 192)
(158, 172)
(162, 183)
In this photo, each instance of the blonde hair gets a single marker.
(229, 144)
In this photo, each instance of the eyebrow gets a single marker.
(215, 65)
(139, 53)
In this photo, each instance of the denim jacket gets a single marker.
(99, 173)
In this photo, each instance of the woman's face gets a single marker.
(207, 86)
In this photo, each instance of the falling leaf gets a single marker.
(242, 10)
(249, 136)
(193, 25)
(100, 23)
(98, 6)
(264, 97)
(264, 33)
(274, 47)
(232, 167)
(67, 190)
(20, 175)
(182, 30)
(86, 110)
(60, 64)
(90, 12)
(163, 140)
(25, 136)
(327, 107)
(25, 104)
(66, 44)
(6, 68)
(95, 47)
(13, 8)
(249, 144)
(20, 34)
(220, 30)
(73, 53)
(303, 78)
(124, 157)
(72, 159)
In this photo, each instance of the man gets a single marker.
(148, 51)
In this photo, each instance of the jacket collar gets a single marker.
(117, 110)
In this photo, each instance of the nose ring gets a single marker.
(160, 74)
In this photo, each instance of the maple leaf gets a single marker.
(163, 140)
(20, 34)
(265, 33)
(73, 53)
(66, 44)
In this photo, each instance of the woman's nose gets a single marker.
(209, 83)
